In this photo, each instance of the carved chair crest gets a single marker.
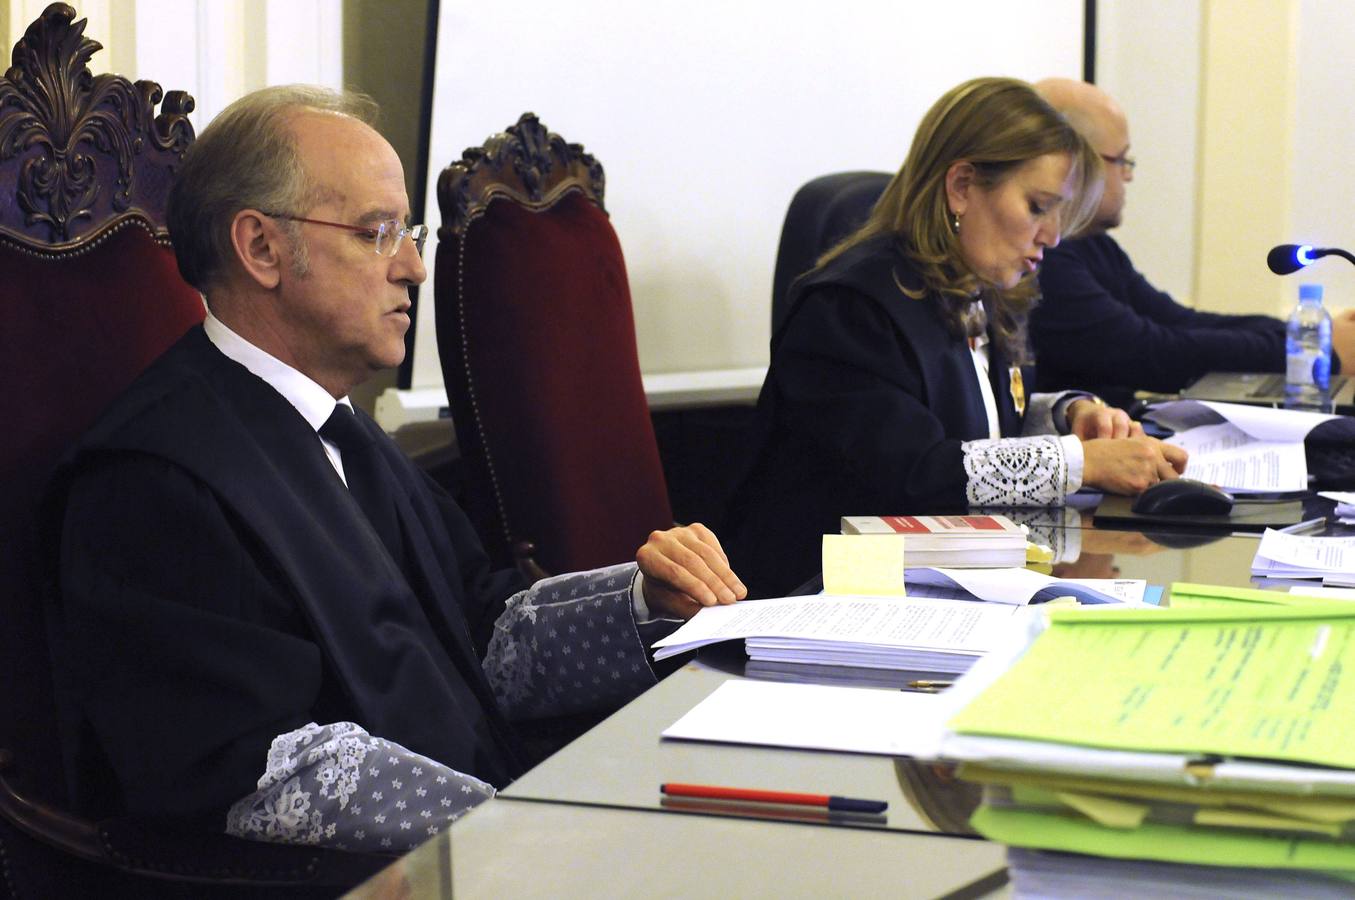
(533, 166)
(81, 154)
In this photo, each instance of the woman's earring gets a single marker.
(955, 223)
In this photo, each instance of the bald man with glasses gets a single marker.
(269, 621)
(1101, 325)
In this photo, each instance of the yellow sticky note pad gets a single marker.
(863, 564)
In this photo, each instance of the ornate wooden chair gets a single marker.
(537, 340)
(89, 295)
(823, 211)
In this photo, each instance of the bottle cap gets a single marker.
(1310, 292)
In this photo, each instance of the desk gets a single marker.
(563, 828)
(515, 848)
(621, 762)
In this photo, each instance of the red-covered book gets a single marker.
(953, 541)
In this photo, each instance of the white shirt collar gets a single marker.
(311, 400)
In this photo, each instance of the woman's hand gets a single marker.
(1090, 419)
(1130, 465)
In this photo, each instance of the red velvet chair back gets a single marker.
(537, 340)
(89, 294)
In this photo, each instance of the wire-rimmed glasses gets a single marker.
(386, 236)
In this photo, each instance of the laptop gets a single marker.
(1262, 389)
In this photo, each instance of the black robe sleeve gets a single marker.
(183, 659)
(848, 383)
(1102, 326)
(844, 428)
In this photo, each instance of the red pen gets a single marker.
(711, 792)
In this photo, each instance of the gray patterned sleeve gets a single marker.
(568, 644)
(565, 645)
(1025, 471)
(337, 786)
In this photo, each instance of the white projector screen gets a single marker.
(707, 115)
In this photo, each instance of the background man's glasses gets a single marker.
(386, 236)
(1127, 163)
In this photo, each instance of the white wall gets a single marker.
(216, 50)
(1324, 146)
(707, 115)
(1148, 58)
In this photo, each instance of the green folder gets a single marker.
(1265, 682)
(1039, 829)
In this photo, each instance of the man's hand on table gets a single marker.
(685, 569)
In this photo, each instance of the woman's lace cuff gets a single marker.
(1027, 471)
(337, 786)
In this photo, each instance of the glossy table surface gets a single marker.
(622, 761)
(590, 820)
(514, 848)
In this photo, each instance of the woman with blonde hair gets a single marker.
(895, 384)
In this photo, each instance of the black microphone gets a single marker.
(1288, 258)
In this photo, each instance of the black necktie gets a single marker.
(368, 479)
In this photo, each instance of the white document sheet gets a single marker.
(1225, 455)
(1281, 554)
(1323, 590)
(1017, 585)
(1345, 505)
(815, 717)
(960, 625)
(1261, 422)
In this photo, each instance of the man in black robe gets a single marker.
(269, 619)
(1101, 325)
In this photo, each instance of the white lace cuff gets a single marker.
(1075, 458)
(337, 786)
(1025, 471)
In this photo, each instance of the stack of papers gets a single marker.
(919, 634)
(1214, 736)
(1281, 555)
(1241, 448)
(940, 627)
(956, 541)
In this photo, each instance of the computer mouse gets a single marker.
(1183, 497)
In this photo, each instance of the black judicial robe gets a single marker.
(866, 402)
(1102, 326)
(219, 587)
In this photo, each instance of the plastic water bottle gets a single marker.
(1308, 353)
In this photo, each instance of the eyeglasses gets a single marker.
(386, 236)
(1127, 163)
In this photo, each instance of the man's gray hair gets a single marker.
(246, 158)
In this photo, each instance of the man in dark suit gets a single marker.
(1102, 326)
(269, 620)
